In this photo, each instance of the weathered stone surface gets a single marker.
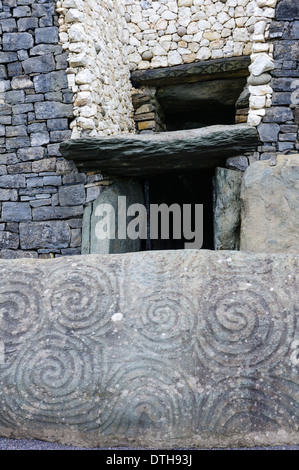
(270, 206)
(203, 70)
(16, 41)
(155, 349)
(54, 234)
(131, 155)
(72, 195)
(195, 95)
(287, 10)
(227, 210)
(50, 110)
(91, 243)
(16, 211)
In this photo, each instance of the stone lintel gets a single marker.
(150, 154)
(197, 71)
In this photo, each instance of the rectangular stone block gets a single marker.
(41, 64)
(50, 110)
(54, 234)
(56, 212)
(12, 181)
(16, 211)
(46, 35)
(209, 360)
(72, 195)
(17, 41)
(227, 209)
(8, 240)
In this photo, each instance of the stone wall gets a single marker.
(168, 33)
(279, 127)
(93, 34)
(65, 72)
(41, 194)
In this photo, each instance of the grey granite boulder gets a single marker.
(163, 349)
(270, 206)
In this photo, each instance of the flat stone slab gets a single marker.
(227, 209)
(174, 349)
(150, 154)
(270, 206)
(228, 67)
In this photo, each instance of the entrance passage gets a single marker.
(183, 188)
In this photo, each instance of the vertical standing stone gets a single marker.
(227, 209)
(111, 208)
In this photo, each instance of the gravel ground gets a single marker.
(22, 444)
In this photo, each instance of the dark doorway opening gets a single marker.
(184, 188)
(200, 104)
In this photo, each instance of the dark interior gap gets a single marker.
(183, 188)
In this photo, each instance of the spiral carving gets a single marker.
(165, 322)
(84, 300)
(53, 382)
(243, 325)
(145, 395)
(20, 309)
(247, 405)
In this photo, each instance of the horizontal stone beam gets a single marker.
(205, 70)
(150, 154)
(173, 349)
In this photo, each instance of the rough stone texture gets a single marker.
(133, 155)
(227, 209)
(284, 82)
(36, 104)
(91, 244)
(95, 38)
(270, 206)
(158, 350)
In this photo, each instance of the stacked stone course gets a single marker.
(65, 72)
(41, 194)
(279, 127)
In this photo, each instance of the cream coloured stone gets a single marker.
(185, 3)
(174, 58)
(192, 28)
(161, 24)
(78, 60)
(262, 63)
(260, 47)
(169, 15)
(84, 76)
(257, 102)
(77, 33)
(203, 25)
(253, 119)
(204, 53)
(260, 90)
(73, 15)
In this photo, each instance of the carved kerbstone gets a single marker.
(154, 349)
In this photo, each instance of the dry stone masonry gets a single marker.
(65, 71)
(155, 349)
